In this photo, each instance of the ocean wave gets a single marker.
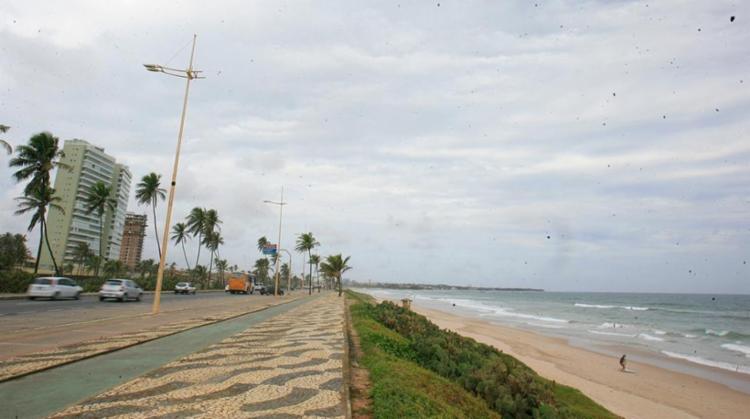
(603, 306)
(598, 332)
(592, 305)
(720, 333)
(737, 348)
(659, 332)
(646, 336)
(707, 362)
(488, 310)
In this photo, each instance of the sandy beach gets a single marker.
(650, 392)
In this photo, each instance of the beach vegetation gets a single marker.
(505, 384)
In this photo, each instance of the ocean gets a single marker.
(706, 330)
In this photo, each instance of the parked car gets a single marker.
(259, 288)
(121, 290)
(184, 288)
(270, 290)
(53, 287)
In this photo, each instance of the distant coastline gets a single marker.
(442, 287)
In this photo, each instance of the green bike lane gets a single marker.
(47, 392)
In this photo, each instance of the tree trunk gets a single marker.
(39, 251)
(339, 280)
(49, 248)
(200, 244)
(101, 242)
(309, 258)
(156, 230)
(185, 253)
(210, 267)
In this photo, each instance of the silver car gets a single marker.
(120, 289)
(53, 287)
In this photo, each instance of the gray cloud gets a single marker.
(433, 144)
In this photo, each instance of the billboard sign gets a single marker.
(269, 249)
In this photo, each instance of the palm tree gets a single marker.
(196, 223)
(38, 200)
(221, 266)
(315, 260)
(36, 160)
(334, 267)
(212, 222)
(261, 269)
(100, 200)
(306, 242)
(212, 240)
(148, 192)
(285, 272)
(262, 243)
(180, 236)
(3, 143)
(80, 253)
(112, 268)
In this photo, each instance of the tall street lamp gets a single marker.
(281, 204)
(188, 74)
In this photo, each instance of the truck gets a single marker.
(240, 283)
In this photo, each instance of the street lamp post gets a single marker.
(188, 74)
(281, 204)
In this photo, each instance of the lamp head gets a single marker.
(153, 67)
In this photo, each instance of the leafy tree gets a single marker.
(113, 268)
(69, 268)
(285, 272)
(13, 251)
(147, 267)
(196, 223)
(180, 235)
(148, 192)
(305, 243)
(200, 272)
(38, 200)
(4, 144)
(92, 262)
(81, 253)
(261, 270)
(334, 266)
(36, 160)
(100, 199)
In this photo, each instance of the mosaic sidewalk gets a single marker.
(41, 360)
(289, 366)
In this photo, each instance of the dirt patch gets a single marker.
(358, 377)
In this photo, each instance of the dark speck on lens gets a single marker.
(717, 109)
(699, 29)
(731, 19)
(548, 237)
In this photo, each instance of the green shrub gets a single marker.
(507, 385)
(15, 281)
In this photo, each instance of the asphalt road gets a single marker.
(15, 307)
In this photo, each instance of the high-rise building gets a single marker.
(86, 165)
(133, 233)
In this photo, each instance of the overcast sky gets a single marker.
(565, 145)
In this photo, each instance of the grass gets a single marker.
(419, 370)
(400, 387)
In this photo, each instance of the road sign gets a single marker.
(269, 249)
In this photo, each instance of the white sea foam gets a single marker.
(707, 362)
(592, 305)
(737, 348)
(689, 336)
(546, 326)
(717, 332)
(604, 306)
(646, 336)
(488, 310)
(598, 332)
(659, 332)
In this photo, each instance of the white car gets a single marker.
(120, 289)
(54, 287)
(184, 288)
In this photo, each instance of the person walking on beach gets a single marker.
(623, 362)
